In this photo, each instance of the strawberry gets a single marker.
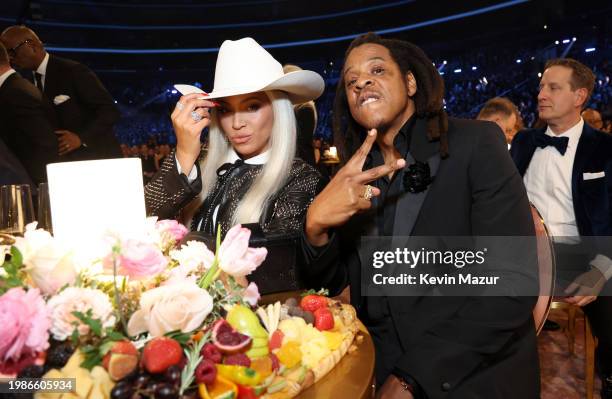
(161, 353)
(324, 319)
(276, 340)
(311, 303)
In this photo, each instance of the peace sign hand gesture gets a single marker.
(346, 194)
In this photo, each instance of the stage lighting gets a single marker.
(458, 70)
(565, 41)
(556, 42)
(589, 50)
(474, 68)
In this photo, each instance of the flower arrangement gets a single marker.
(58, 305)
(152, 317)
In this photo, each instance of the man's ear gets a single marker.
(411, 84)
(580, 97)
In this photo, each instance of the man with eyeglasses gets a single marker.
(80, 109)
(27, 141)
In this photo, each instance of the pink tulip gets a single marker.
(235, 256)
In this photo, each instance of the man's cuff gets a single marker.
(603, 264)
(191, 176)
(317, 251)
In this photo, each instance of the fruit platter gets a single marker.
(154, 317)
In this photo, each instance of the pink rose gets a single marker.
(251, 294)
(235, 256)
(25, 324)
(138, 260)
(170, 227)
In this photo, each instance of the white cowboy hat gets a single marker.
(243, 66)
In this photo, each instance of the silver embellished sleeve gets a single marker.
(169, 192)
(289, 208)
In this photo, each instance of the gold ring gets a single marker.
(368, 193)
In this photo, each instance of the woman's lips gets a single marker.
(241, 139)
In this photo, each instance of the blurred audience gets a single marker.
(306, 123)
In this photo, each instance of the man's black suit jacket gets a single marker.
(454, 347)
(90, 112)
(11, 170)
(24, 127)
(592, 198)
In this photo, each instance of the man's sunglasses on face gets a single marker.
(12, 52)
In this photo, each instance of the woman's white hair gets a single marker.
(274, 173)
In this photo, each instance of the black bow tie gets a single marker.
(229, 167)
(542, 140)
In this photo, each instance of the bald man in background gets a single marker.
(80, 109)
(593, 118)
(503, 112)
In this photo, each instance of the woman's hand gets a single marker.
(188, 129)
(345, 195)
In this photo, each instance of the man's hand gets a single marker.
(393, 389)
(344, 196)
(585, 287)
(67, 141)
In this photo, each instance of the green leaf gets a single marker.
(105, 347)
(114, 335)
(96, 326)
(79, 315)
(91, 360)
(75, 337)
(88, 349)
(16, 257)
(179, 336)
(322, 292)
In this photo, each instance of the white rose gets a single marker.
(81, 300)
(49, 264)
(181, 306)
(193, 255)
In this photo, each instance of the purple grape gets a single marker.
(173, 375)
(166, 391)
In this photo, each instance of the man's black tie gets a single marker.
(39, 83)
(542, 140)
